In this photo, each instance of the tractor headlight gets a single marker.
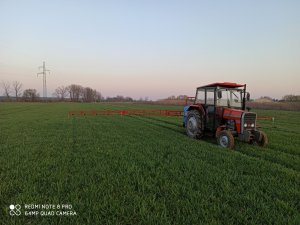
(252, 125)
(245, 124)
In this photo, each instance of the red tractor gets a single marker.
(219, 110)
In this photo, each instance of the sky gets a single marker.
(150, 48)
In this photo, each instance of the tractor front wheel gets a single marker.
(225, 139)
(194, 124)
(263, 139)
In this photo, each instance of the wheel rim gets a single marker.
(224, 141)
(192, 125)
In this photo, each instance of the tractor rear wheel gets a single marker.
(225, 139)
(194, 124)
(263, 142)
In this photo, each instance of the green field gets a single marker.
(143, 170)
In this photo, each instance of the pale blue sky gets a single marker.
(152, 48)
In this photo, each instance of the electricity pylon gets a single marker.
(44, 73)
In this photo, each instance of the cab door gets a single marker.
(210, 109)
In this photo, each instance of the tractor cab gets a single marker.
(215, 97)
(220, 107)
(225, 96)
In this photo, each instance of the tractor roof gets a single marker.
(224, 84)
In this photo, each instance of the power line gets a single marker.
(44, 73)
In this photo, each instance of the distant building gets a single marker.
(263, 100)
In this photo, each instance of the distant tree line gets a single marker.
(77, 93)
(14, 90)
(291, 98)
(179, 97)
(286, 98)
(119, 98)
(74, 93)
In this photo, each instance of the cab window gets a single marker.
(200, 96)
(210, 97)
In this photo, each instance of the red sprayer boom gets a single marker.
(133, 112)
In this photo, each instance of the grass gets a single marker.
(143, 170)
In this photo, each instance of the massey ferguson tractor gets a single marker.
(219, 110)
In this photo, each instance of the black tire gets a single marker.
(194, 124)
(225, 139)
(263, 142)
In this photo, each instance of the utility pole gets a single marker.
(44, 73)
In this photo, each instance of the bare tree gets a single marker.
(56, 93)
(291, 98)
(89, 95)
(7, 89)
(30, 95)
(99, 96)
(61, 92)
(17, 86)
(76, 92)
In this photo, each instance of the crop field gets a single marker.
(143, 170)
